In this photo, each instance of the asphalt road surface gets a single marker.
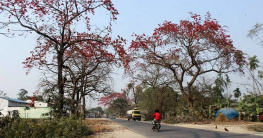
(168, 131)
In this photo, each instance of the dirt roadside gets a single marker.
(110, 129)
(105, 128)
(239, 129)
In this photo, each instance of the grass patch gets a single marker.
(103, 125)
(256, 127)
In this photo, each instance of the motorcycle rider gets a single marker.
(156, 117)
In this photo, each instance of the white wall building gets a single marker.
(8, 105)
(38, 103)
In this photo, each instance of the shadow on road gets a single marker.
(165, 130)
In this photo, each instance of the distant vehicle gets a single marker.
(134, 114)
(112, 117)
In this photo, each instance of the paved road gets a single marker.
(168, 131)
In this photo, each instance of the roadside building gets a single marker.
(27, 109)
(9, 105)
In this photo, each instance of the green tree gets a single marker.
(205, 90)
(237, 93)
(158, 79)
(163, 98)
(22, 94)
(249, 105)
(221, 84)
(253, 65)
(120, 105)
(253, 62)
(98, 111)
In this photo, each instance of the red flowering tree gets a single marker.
(189, 49)
(62, 27)
(108, 100)
(32, 102)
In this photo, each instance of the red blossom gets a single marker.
(189, 41)
(107, 100)
(55, 22)
(32, 103)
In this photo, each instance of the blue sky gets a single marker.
(138, 16)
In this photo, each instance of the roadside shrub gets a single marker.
(256, 127)
(170, 117)
(170, 120)
(5, 121)
(186, 117)
(148, 117)
(64, 127)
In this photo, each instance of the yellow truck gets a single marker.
(134, 114)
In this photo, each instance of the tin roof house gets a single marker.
(8, 105)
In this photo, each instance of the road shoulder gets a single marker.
(111, 129)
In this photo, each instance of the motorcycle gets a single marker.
(156, 126)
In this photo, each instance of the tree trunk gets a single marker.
(60, 83)
(254, 91)
(73, 95)
(77, 104)
(191, 103)
(188, 99)
(83, 107)
(83, 90)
